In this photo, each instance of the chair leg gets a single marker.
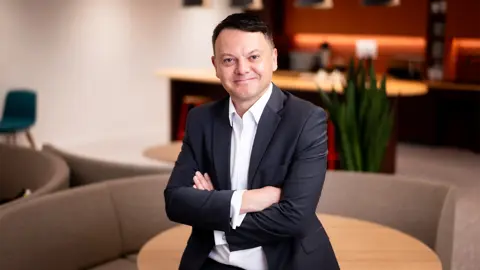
(30, 139)
(14, 138)
(11, 139)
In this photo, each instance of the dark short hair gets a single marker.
(245, 22)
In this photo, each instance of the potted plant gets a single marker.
(362, 117)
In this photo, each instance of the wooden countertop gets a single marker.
(454, 86)
(297, 81)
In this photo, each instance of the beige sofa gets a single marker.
(24, 168)
(429, 211)
(86, 170)
(100, 226)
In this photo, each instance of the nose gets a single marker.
(243, 67)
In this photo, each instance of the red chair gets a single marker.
(188, 103)
(332, 156)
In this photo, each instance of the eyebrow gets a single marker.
(228, 54)
(256, 50)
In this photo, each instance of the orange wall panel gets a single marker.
(463, 19)
(350, 17)
(343, 46)
(462, 23)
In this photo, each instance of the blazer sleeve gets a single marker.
(186, 205)
(300, 193)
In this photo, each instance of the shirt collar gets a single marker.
(257, 108)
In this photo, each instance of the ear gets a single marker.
(214, 65)
(274, 59)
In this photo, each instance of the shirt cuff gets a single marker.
(219, 238)
(235, 206)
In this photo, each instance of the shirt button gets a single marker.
(223, 237)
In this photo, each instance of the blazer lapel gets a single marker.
(221, 148)
(265, 130)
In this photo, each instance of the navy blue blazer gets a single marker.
(289, 152)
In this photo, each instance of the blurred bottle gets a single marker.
(321, 59)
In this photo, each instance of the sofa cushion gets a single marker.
(73, 229)
(445, 232)
(120, 264)
(466, 247)
(137, 200)
(413, 206)
(13, 173)
(24, 169)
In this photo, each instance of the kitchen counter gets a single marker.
(298, 81)
(432, 113)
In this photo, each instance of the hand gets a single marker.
(256, 200)
(202, 182)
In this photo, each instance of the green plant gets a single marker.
(362, 118)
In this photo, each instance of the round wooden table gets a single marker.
(165, 153)
(358, 245)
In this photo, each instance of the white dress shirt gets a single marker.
(243, 135)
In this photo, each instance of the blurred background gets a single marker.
(93, 63)
(105, 85)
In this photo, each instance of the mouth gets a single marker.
(243, 80)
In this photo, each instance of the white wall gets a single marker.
(93, 62)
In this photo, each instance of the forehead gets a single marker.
(233, 40)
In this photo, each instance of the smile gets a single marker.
(243, 80)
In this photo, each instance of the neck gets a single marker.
(242, 106)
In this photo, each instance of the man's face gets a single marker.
(244, 63)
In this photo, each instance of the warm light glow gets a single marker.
(466, 43)
(453, 57)
(313, 40)
(343, 46)
(461, 44)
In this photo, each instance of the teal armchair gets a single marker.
(19, 114)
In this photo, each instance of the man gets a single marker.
(252, 165)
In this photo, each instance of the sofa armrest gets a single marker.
(87, 170)
(458, 241)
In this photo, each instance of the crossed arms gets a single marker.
(271, 214)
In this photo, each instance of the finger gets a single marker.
(209, 181)
(195, 186)
(202, 180)
(198, 183)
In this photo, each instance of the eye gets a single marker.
(227, 60)
(255, 57)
